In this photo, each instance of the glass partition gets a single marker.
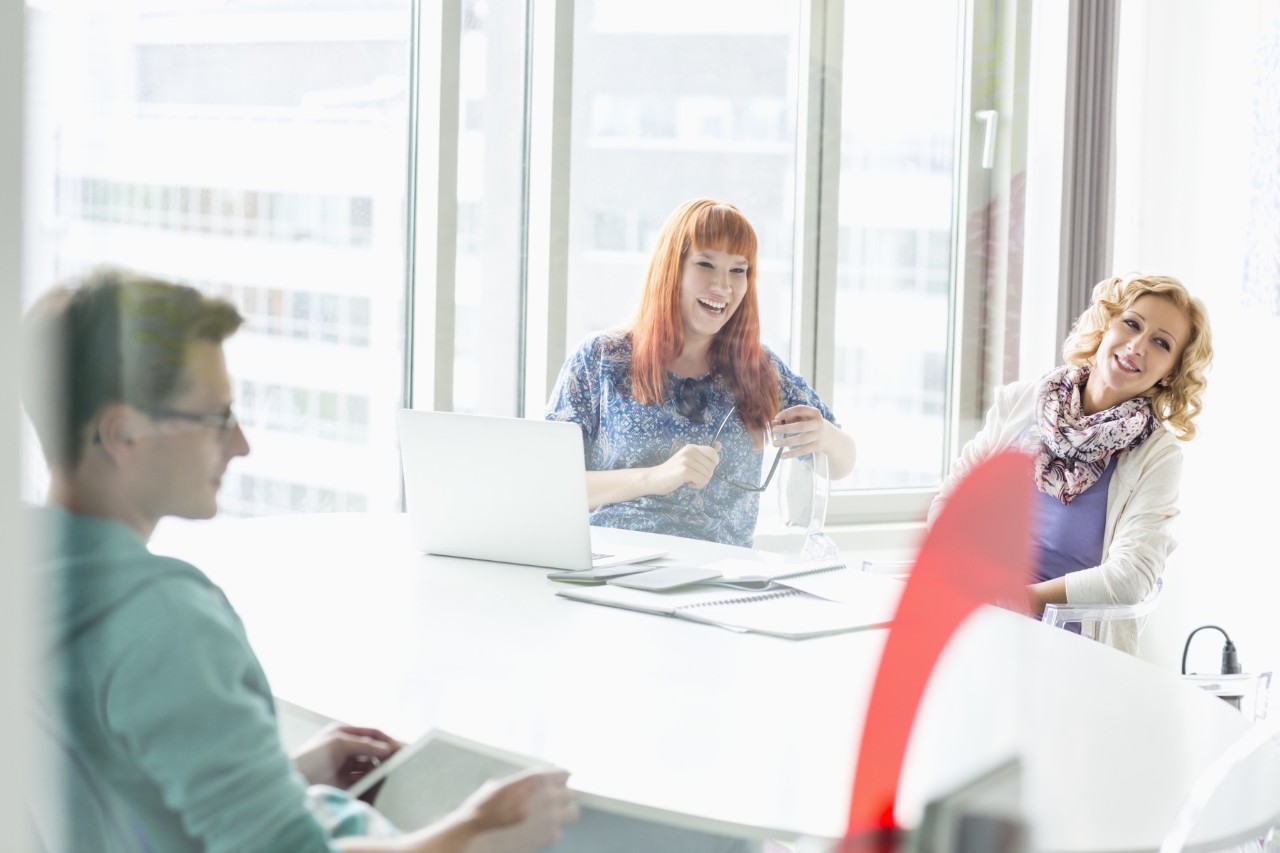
(257, 152)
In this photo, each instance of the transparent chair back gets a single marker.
(817, 544)
(1248, 692)
(1061, 615)
(1260, 736)
(804, 493)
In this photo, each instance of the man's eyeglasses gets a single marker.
(224, 422)
(691, 399)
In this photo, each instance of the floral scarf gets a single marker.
(1073, 449)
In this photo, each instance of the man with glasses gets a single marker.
(153, 694)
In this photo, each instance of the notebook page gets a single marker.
(663, 603)
(789, 613)
(851, 587)
(734, 569)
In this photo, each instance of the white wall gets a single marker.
(1186, 135)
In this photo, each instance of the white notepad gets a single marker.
(788, 612)
(736, 568)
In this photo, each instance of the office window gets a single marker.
(256, 151)
(301, 315)
(897, 188)
(490, 222)
(359, 321)
(674, 101)
(290, 194)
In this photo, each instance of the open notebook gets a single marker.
(793, 609)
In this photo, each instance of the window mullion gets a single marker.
(818, 194)
(546, 293)
(968, 322)
(432, 209)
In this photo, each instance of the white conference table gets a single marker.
(742, 733)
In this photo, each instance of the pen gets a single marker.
(720, 428)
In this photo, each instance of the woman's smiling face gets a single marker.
(712, 284)
(1141, 346)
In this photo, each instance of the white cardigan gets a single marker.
(1141, 502)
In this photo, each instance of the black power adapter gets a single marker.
(1230, 660)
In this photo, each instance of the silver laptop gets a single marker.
(512, 490)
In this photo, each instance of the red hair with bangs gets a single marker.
(657, 333)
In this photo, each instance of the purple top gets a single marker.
(1068, 537)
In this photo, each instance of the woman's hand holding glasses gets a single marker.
(691, 465)
(799, 431)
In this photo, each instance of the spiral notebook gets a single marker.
(870, 602)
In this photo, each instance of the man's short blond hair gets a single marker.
(114, 336)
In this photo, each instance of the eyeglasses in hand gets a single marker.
(768, 479)
(760, 488)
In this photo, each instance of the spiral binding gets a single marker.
(742, 599)
(819, 570)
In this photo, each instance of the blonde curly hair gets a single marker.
(1178, 402)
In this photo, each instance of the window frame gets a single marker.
(979, 359)
(431, 215)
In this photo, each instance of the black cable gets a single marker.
(1230, 660)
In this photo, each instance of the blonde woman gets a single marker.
(1105, 430)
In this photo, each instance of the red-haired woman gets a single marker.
(676, 409)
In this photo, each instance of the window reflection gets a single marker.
(894, 255)
(255, 151)
(674, 101)
(490, 240)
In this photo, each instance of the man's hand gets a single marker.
(339, 755)
(519, 813)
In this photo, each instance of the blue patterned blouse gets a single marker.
(594, 391)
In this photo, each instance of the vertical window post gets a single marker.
(818, 188)
(547, 251)
(431, 217)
